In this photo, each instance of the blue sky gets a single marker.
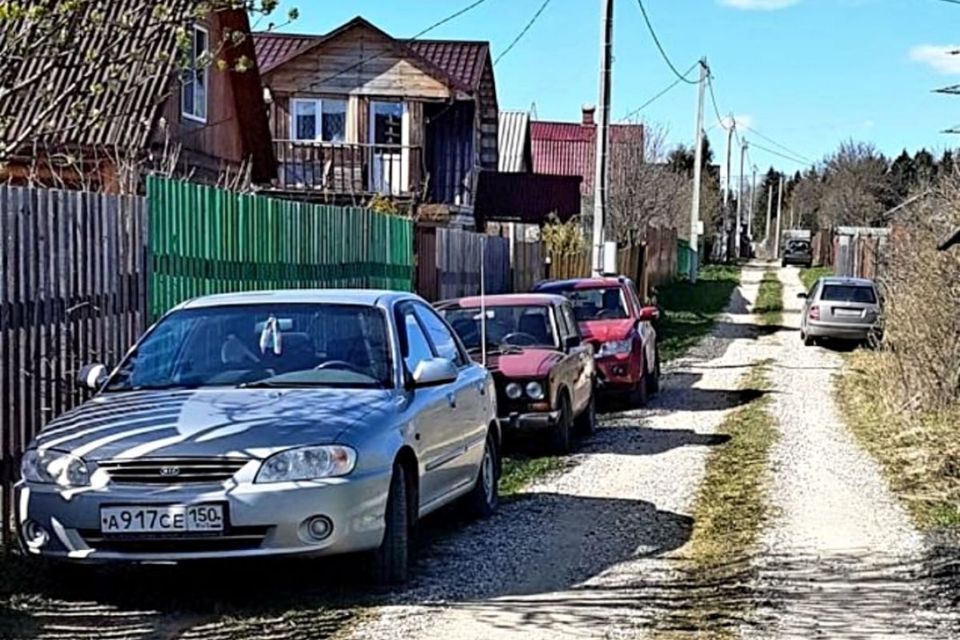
(807, 73)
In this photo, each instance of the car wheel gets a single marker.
(390, 563)
(587, 421)
(638, 398)
(808, 340)
(653, 380)
(484, 498)
(560, 435)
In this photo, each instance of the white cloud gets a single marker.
(938, 56)
(759, 5)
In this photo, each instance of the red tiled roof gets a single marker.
(462, 60)
(569, 148)
(275, 47)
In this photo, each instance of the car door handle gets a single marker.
(482, 388)
(452, 399)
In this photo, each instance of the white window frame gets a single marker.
(192, 73)
(318, 105)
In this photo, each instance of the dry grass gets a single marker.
(919, 452)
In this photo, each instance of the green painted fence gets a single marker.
(206, 240)
(686, 259)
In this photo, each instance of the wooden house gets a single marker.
(84, 124)
(357, 112)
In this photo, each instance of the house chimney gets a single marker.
(588, 115)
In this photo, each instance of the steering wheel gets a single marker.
(340, 364)
(607, 314)
(520, 339)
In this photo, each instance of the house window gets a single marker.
(196, 76)
(319, 120)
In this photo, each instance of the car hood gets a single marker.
(530, 363)
(211, 422)
(599, 331)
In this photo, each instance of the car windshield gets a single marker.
(519, 326)
(849, 293)
(602, 303)
(284, 345)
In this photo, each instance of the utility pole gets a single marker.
(753, 201)
(727, 187)
(736, 231)
(697, 173)
(766, 232)
(600, 176)
(776, 241)
(792, 226)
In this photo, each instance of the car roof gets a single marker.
(580, 283)
(851, 282)
(504, 300)
(364, 297)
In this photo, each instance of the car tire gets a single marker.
(484, 499)
(653, 380)
(638, 397)
(561, 436)
(586, 422)
(390, 563)
(808, 340)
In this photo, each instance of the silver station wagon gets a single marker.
(841, 309)
(257, 424)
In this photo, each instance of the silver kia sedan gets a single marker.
(839, 308)
(264, 424)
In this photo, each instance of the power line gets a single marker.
(778, 145)
(778, 154)
(658, 95)
(663, 53)
(713, 99)
(417, 36)
(523, 32)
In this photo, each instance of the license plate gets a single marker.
(163, 519)
(848, 313)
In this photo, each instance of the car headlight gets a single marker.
(534, 390)
(615, 347)
(308, 463)
(514, 391)
(54, 467)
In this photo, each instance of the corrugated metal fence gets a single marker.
(206, 240)
(72, 291)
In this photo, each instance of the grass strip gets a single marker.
(520, 471)
(691, 309)
(809, 276)
(730, 511)
(919, 455)
(769, 307)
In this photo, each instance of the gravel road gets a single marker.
(842, 559)
(590, 552)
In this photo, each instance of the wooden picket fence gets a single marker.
(73, 284)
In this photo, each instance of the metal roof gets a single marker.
(568, 148)
(460, 61)
(296, 296)
(514, 141)
(110, 108)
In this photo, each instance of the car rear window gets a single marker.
(799, 246)
(849, 293)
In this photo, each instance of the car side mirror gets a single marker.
(434, 372)
(572, 342)
(92, 376)
(649, 314)
(802, 294)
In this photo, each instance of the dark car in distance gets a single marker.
(797, 252)
(542, 367)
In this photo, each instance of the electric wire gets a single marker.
(523, 32)
(778, 145)
(659, 95)
(663, 52)
(779, 155)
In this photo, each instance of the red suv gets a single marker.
(620, 328)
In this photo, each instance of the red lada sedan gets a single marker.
(620, 328)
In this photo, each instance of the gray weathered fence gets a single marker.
(72, 291)
(458, 263)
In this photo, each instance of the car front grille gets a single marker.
(234, 539)
(172, 471)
